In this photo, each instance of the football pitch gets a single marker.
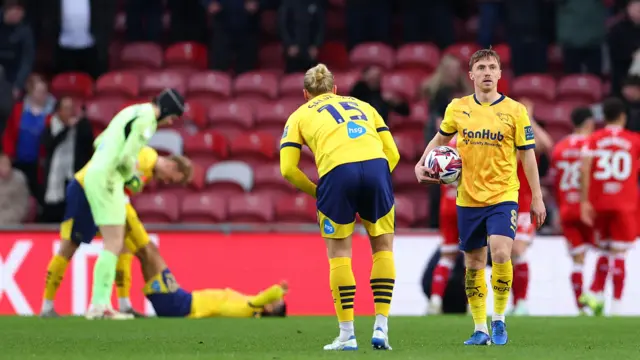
(303, 337)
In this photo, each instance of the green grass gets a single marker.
(303, 337)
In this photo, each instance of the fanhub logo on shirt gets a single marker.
(477, 137)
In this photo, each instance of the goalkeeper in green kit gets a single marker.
(112, 166)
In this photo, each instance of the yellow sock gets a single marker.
(55, 272)
(123, 275)
(383, 278)
(501, 280)
(343, 287)
(476, 289)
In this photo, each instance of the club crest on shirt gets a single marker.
(505, 118)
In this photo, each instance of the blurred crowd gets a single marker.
(47, 139)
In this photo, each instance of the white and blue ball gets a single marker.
(445, 163)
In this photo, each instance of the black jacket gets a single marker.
(83, 150)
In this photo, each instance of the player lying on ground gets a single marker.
(565, 167)
(355, 154)
(79, 226)
(609, 200)
(493, 130)
(111, 166)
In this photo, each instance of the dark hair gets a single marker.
(13, 3)
(483, 54)
(579, 115)
(612, 108)
(633, 80)
(279, 310)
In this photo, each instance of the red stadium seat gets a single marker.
(271, 56)
(292, 85)
(404, 179)
(462, 51)
(559, 113)
(344, 81)
(406, 148)
(256, 83)
(118, 83)
(405, 211)
(153, 83)
(206, 144)
(582, 88)
(412, 125)
(296, 209)
(539, 88)
(267, 179)
(230, 118)
(195, 113)
(311, 170)
(146, 55)
(554, 54)
(504, 51)
(374, 53)
(203, 208)
(335, 55)
(74, 84)
(423, 56)
(157, 208)
(400, 83)
(186, 54)
(271, 117)
(253, 146)
(421, 208)
(100, 111)
(197, 178)
(230, 177)
(250, 208)
(209, 84)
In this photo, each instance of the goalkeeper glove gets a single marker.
(135, 184)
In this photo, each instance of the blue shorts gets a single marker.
(77, 225)
(167, 298)
(362, 188)
(475, 224)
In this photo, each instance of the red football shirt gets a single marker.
(565, 166)
(614, 172)
(524, 194)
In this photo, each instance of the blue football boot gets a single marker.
(479, 338)
(499, 333)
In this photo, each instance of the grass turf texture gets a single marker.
(303, 338)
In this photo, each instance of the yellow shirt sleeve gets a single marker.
(290, 146)
(448, 126)
(388, 144)
(291, 136)
(524, 132)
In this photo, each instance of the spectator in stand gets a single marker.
(144, 20)
(526, 36)
(428, 21)
(6, 103)
(302, 26)
(188, 21)
(81, 30)
(68, 145)
(624, 45)
(490, 14)
(21, 139)
(17, 46)
(368, 89)
(368, 21)
(631, 95)
(14, 194)
(581, 31)
(236, 26)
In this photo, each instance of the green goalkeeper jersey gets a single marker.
(118, 146)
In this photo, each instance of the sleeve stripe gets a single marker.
(526, 147)
(446, 133)
(384, 128)
(292, 144)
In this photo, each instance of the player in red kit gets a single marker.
(609, 199)
(449, 247)
(565, 166)
(526, 230)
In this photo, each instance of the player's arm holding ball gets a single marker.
(448, 128)
(290, 148)
(525, 143)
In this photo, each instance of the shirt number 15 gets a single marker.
(347, 106)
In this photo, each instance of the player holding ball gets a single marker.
(493, 132)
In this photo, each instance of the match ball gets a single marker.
(445, 162)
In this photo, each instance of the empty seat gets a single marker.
(250, 208)
(186, 54)
(334, 54)
(157, 208)
(253, 147)
(230, 176)
(153, 83)
(536, 87)
(257, 84)
(374, 53)
(145, 55)
(421, 208)
(195, 113)
(405, 211)
(406, 148)
(423, 56)
(292, 85)
(404, 179)
(167, 141)
(209, 84)
(204, 208)
(271, 56)
(582, 88)
(504, 51)
(268, 179)
(206, 144)
(230, 117)
(413, 125)
(100, 111)
(556, 114)
(400, 84)
(296, 209)
(74, 84)
(118, 83)
(271, 117)
(345, 81)
(462, 51)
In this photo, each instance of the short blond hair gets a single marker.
(483, 54)
(185, 167)
(318, 80)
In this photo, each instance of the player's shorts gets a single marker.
(526, 230)
(449, 232)
(105, 193)
(476, 224)
(616, 229)
(77, 223)
(362, 187)
(167, 297)
(579, 236)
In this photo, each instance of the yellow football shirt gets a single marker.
(147, 158)
(488, 137)
(337, 129)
